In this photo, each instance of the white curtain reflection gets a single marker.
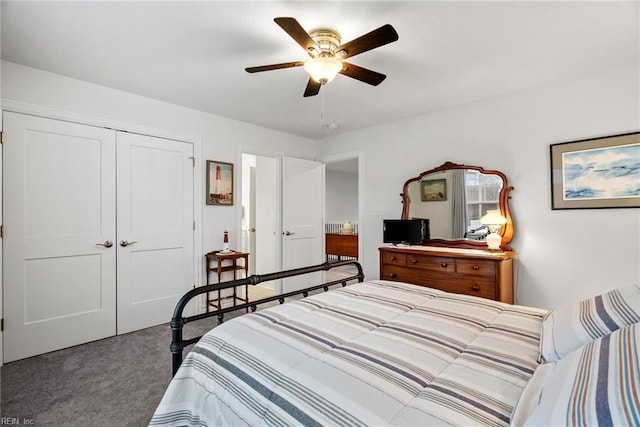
(459, 199)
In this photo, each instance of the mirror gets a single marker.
(453, 197)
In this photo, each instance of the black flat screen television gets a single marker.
(403, 231)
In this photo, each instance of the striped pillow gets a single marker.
(572, 327)
(598, 384)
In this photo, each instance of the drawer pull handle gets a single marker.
(393, 275)
(444, 265)
(413, 260)
(475, 287)
(393, 258)
(476, 267)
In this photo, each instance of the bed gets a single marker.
(390, 353)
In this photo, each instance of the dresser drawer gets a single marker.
(396, 273)
(393, 258)
(479, 288)
(432, 263)
(474, 267)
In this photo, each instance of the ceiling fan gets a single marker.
(328, 54)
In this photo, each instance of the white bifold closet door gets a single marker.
(67, 278)
(155, 229)
(59, 217)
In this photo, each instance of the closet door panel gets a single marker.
(59, 210)
(155, 218)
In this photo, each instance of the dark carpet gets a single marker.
(116, 381)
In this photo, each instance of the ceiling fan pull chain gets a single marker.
(322, 123)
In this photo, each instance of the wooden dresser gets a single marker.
(341, 245)
(465, 271)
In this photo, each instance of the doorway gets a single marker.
(342, 205)
(260, 215)
(282, 215)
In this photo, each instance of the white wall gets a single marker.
(216, 138)
(341, 202)
(564, 255)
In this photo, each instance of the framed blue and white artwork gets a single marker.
(596, 173)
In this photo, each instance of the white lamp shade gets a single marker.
(493, 217)
(323, 69)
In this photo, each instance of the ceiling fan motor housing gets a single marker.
(327, 40)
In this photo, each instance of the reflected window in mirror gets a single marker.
(482, 194)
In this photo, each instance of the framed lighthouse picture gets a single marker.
(219, 183)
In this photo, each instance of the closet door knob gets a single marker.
(124, 243)
(106, 244)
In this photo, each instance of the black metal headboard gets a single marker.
(178, 321)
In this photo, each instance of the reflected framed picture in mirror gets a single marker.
(433, 190)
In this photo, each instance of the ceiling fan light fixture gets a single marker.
(323, 69)
(325, 47)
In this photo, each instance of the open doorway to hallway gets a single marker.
(260, 217)
(342, 211)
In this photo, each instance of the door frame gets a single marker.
(80, 118)
(1, 248)
(359, 155)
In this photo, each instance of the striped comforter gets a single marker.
(373, 353)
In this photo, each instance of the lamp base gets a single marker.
(493, 241)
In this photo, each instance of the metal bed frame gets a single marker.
(178, 343)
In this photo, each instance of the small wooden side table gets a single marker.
(220, 262)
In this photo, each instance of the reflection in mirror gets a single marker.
(456, 213)
(454, 198)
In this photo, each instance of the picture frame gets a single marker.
(433, 190)
(596, 173)
(219, 178)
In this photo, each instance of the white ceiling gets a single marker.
(194, 53)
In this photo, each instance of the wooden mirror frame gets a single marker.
(507, 230)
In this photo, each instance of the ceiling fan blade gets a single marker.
(376, 38)
(295, 30)
(274, 67)
(363, 74)
(313, 88)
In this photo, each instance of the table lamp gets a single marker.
(493, 220)
(225, 242)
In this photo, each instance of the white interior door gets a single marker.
(155, 228)
(251, 226)
(302, 219)
(267, 235)
(59, 279)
